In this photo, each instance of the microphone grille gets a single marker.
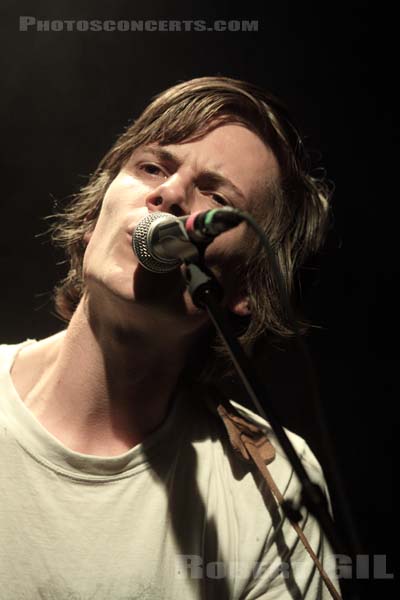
(141, 244)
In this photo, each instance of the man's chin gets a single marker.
(165, 294)
(150, 287)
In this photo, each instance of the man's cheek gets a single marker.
(226, 253)
(87, 260)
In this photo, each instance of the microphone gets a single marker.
(162, 241)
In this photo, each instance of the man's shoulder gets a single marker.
(8, 351)
(256, 419)
(25, 360)
(300, 445)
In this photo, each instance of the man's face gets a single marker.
(229, 165)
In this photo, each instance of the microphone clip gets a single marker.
(201, 283)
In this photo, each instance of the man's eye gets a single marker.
(219, 199)
(151, 169)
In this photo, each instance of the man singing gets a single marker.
(117, 480)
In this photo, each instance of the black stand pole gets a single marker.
(206, 293)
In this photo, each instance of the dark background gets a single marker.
(66, 96)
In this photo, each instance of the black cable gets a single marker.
(311, 380)
(352, 535)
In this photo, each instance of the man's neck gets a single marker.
(99, 390)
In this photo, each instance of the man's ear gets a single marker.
(240, 306)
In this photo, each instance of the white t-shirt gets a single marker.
(178, 517)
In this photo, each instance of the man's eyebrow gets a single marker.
(206, 177)
(162, 154)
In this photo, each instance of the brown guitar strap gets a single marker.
(251, 443)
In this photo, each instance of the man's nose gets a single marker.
(172, 196)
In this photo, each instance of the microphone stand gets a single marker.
(206, 293)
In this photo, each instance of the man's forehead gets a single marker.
(261, 158)
(234, 132)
